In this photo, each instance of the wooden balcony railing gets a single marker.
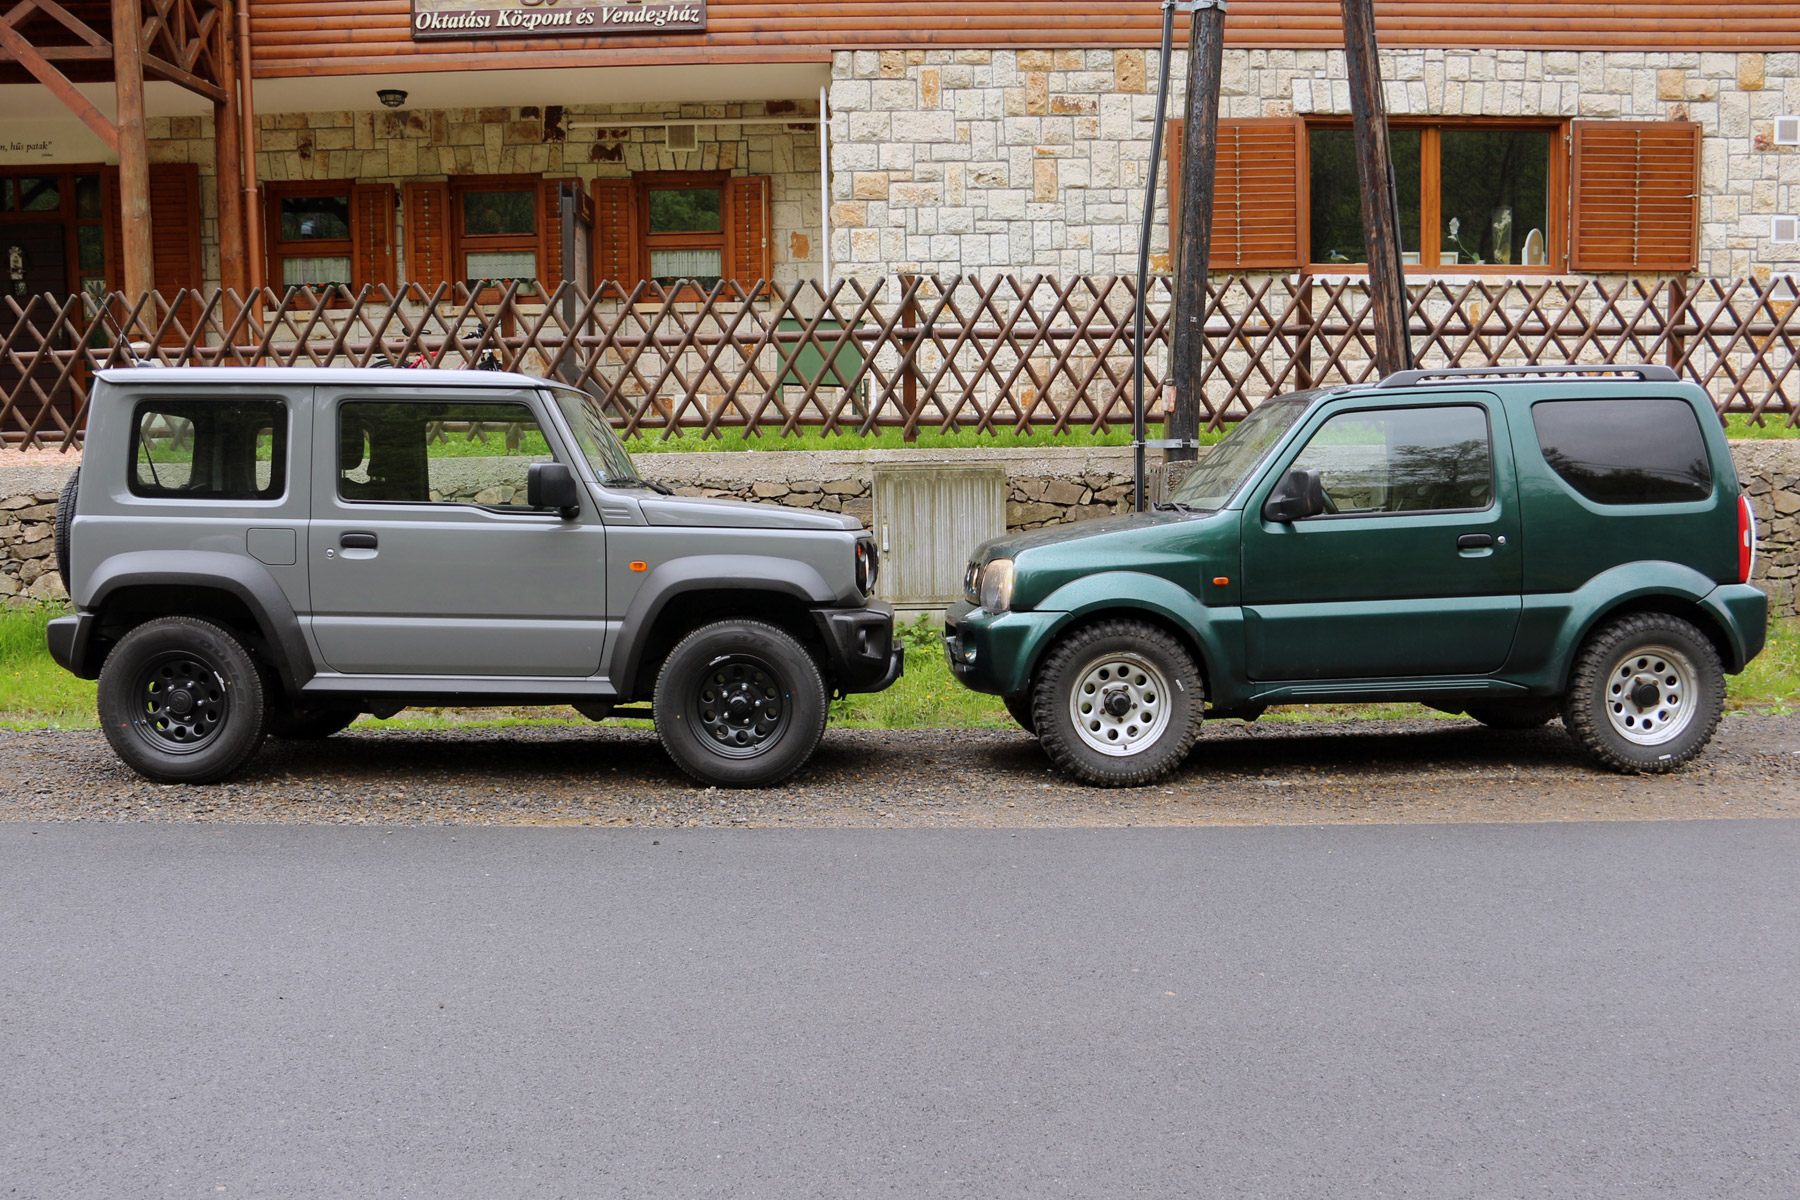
(911, 352)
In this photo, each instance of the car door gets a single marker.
(1415, 567)
(425, 557)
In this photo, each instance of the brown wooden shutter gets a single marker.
(427, 234)
(372, 235)
(1635, 196)
(550, 247)
(115, 227)
(175, 227)
(1258, 219)
(747, 249)
(617, 247)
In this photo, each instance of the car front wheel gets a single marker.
(739, 704)
(1118, 703)
(1646, 694)
(181, 701)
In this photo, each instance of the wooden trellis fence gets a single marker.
(912, 352)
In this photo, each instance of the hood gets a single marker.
(738, 514)
(1011, 545)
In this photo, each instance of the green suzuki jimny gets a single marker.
(1515, 544)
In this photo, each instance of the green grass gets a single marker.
(37, 694)
(1737, 425)
(891, 439)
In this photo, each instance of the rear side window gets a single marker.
(209, 449)
(1625, 451)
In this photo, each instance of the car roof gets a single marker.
(316, 376)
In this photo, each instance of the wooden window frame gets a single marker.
(462, 244)
(68, 213)
(646, 181)
(1556, 231)
(273, 195)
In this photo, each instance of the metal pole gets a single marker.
(1143, 272)
(1380, 198)
(824, 193)
(1199, 156)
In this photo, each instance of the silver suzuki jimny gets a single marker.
(276, 551)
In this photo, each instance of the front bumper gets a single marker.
(860, 642)
(995, 652)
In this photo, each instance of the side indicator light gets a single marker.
(1220, 581)
(640, 566)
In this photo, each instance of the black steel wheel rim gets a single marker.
(182, 703)
(740, 706)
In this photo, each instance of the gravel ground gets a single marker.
(1263, 774)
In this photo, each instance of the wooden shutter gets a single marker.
(372, 235)
(175, 226)
(427, 234)
(747, 251)
(1258, 218)
(1635, 196)
(616, 243)
(550, 247)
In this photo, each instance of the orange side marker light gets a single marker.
(1220, 581)
(640, 566)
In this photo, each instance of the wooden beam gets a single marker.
(27, 56)
(228, 167)
(1380, 203)
(136, 257)
(1199, 154)
(161, 68)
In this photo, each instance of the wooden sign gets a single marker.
(479, 19)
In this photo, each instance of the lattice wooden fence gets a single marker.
(911, 352)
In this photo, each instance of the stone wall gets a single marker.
(1034, 160)
(1045, 487)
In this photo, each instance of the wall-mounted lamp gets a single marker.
(391, 97)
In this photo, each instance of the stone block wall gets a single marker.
(1034, 160)
(28, 497)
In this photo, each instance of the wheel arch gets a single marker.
(1131, 595)
(1667, 588)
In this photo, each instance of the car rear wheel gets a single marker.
(1118, 703)
(1646, 694)
(65, 521)
(181, 701)
(740, 704)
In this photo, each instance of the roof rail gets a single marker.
(1648, 372)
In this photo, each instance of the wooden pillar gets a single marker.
(228, 163)
(1380, 201)
(1199, 155)
(135, 258)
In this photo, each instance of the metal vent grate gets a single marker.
(1787, 131)
(681, 137)
(1784, 231)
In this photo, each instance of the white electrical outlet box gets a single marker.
(681, 137)
(1787, 131)
(1784, 231)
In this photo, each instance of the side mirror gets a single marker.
(551, 485)
(1300, 494)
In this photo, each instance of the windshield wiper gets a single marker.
(1174, 506)
(637, 481)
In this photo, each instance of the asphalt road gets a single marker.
(1580, 1009)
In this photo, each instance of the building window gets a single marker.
(495, 222)
(683, 219)
(686, 229)
(310, 234)
(1470, 196)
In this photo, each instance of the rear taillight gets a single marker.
(1746, 539)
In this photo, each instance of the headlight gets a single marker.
(868, 566)
(972, 582)
(997, 585)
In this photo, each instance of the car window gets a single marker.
(1625, 451)
(1404, 460)
(209, 449)
(425, 453)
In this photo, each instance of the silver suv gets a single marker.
(277, 551)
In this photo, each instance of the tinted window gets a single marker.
(438, 453)
(209, 450)
(1625, 451)
(1404, 460)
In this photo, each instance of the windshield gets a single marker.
(594, 435)
(1232, 461)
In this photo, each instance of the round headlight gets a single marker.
(997, 585)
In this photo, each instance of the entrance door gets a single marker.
(33, 263)
(1416, 567)
(424, 558)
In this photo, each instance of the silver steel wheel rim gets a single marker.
(1120, 704)
(1652, 694)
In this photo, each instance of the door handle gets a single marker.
(357, 541)
(1474, 541)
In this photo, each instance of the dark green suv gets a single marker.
(1515, 544)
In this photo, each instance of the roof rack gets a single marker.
(1648, 372)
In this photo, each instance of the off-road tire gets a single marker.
(65, 520)
(181, 701)
(1076, 661)
(1018, 706)
(1601, 685)
(1527, 712)
(740, 704)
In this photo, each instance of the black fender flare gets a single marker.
(241, 577)
(706, 572)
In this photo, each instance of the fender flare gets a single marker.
(1589, 604)
(706, 572)
(1123, 591)
(235, 574)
